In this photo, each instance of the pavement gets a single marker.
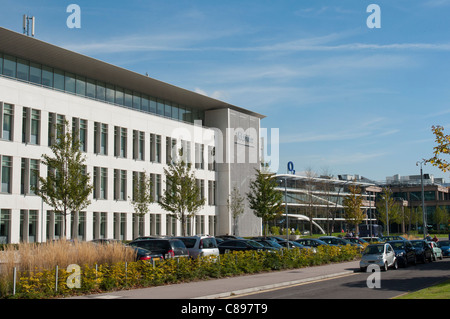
(233, 286)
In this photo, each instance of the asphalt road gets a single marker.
(354, 286)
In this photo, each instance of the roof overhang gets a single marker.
(35, 50)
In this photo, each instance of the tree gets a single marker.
(352, 203)
(387, 208)
(142, 194)
(265, 201)
(182, 196)
(440, 216)
(236, 206)
(442, 147)
(67, 185)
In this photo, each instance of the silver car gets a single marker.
(199, 246)
(382, 255)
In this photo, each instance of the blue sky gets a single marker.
(346, 98)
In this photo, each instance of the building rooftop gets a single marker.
(28, 48)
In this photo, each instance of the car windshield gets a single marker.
(443, 243)
(188, 242)
(152, 244)
(374, 250)
(398, 245)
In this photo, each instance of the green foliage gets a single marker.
(105, 277)
(182, 196)
(265, 201)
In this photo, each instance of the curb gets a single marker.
(273, 286)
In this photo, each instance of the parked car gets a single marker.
(436, 250)
(389, 238)
(423, 250)
(146, 255)
(199, 246)
(311, 242)
(382, 255)
(372, 239)
(274, 238)
(269, 243)
(336, 241)
(404, 252)
(444, 245)
(356, 240)
(239, 245)
(292, 244)
(169, 248)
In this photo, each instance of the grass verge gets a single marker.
(439, 291)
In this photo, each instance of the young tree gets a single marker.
(182, 196)
(235, 206)
(440, 216)
(386, 207)
(265, 201)
(352, 203)
(442, 147)
(142, 194)
(67, 185)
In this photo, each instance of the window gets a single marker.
(211, 193)
(156, 186)
(138, 145)
(120, 184)
(5, 220)
(120, 141)
(79, 131)
(6, 174)
(211, 158)
(56, 127)
(35, 73)
(80, 85)
(29, 176)
(7, 121)
(101, 91)
(100, 182)
(9, 66)
(31, 126)
(23, 70)
(110, 93)
(199, 158)
(47, 76)
(28, 225)
(100, 138)
(58, 79)
(69, 82)
(155, 148)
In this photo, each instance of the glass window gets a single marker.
(58, 79)
(47, 76)
(153, 105)
(35, 126)
(35, 73)
(181, 113)
(81, 85)
(128, 98)
(101, 91)
(6, 174)
(145, 103)
(119, 96)
(1, 63)
(167, 110)
(160, 107)
(34, 175)
(23, 69)
(90, 88)
(8, 114)
(175, 111)
(9, 66)
(5, 219)
(136, 101)
(110, 93)
(69, 84)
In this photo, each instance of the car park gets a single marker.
(381, 254)
(146, 255)
(240, 245)
(423, 250)
(389, 238)
(444, 245)
(404, 252)
(199, 246)
(168, 247)
(311, 242)
(336, 241)
(436, 250)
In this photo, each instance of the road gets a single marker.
(354, 286)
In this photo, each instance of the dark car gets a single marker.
(423, 250)
(311, 242)
(404, 252)
(444, 245)
(169, 248)
(269, 243)
(146, 255)
(273, 238)
(391, 238)
(240, 245)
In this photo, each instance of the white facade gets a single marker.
(23, 215)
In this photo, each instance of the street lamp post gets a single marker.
(423, 200)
